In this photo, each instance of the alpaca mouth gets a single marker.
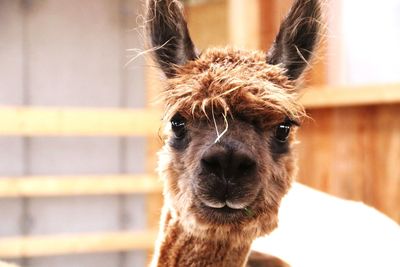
(226, 210)
(223, 210)
(224, 205)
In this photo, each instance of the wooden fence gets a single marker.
(37, 121)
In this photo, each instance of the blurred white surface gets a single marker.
(319, 230)
(371, 40)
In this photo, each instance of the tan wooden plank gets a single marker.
(208, 23)
(351, 96)
(353, 152)
(38, 246)
(74, 121)
(269, 24)
(382, 189)
(315, 136)
(48, 186)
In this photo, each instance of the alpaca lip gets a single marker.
(225, 209)
(236, 206)
(226, 204)
(213, 204)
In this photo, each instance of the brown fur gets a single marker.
(257, 259)
(232, 81)
(189, 250)
(250, 95)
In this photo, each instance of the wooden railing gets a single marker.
(37, 121)
(341, 96)
(46, 186)
(39, 246)
(40, 121)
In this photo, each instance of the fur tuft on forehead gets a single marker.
(232, 82)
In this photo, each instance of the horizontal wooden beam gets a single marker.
(36, 121)
(46, 186)
(38, 246)
(331, 97)
(39, 121)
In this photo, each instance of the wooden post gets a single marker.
(208, 23)
(244, 23)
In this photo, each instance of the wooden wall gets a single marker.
(354, 153)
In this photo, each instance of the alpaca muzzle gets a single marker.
(228, 178)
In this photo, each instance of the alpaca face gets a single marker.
(227, 160)
(230, 122)
(235, 179)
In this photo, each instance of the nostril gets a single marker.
(211, 164)
(245, 166)
(230, 166)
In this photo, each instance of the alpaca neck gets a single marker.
(176, 247)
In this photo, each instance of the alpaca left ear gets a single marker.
(297, 38)
(169, 35)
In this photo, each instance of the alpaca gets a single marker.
(231, 118)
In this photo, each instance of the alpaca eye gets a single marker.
(282, 132)
(178, 126)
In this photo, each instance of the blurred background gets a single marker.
(79, 132)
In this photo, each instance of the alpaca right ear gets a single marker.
(169, 35)
(297, 38)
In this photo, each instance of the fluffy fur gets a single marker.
(225, 164)
(234, 82)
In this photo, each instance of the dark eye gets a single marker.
(282, 132)
(178, 126)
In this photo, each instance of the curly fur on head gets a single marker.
(235, 82)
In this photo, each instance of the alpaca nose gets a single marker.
(227, 164)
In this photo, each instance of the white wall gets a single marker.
(370, 33)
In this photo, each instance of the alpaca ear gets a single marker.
(169, 35)
(297, 38)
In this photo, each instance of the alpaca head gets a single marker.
(230, 122)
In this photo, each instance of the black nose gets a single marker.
(228, 164)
